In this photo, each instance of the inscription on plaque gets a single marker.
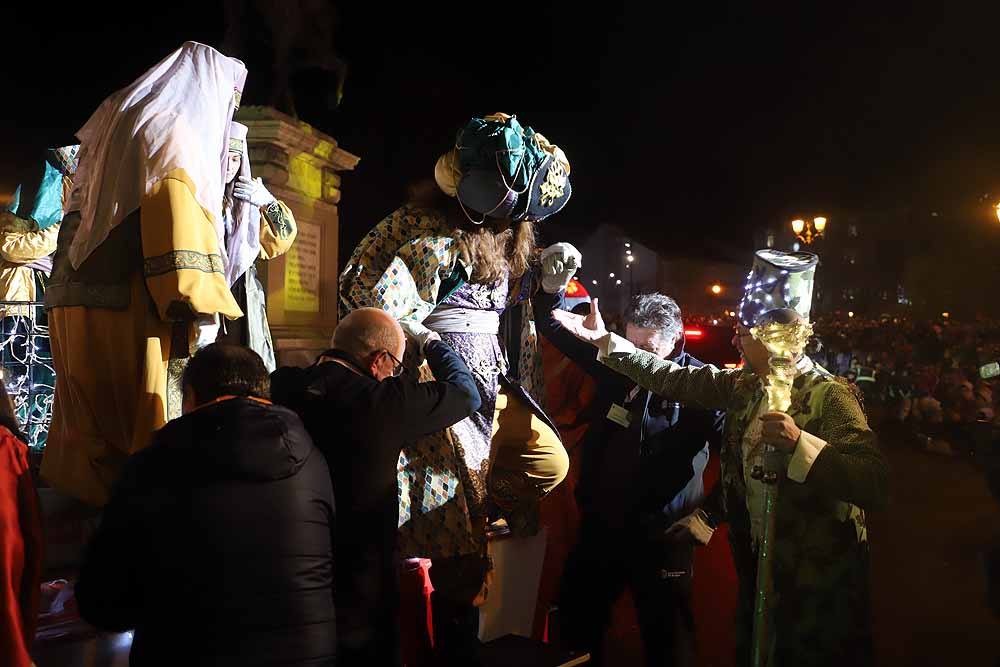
(302, 269)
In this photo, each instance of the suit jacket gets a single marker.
(653, 467)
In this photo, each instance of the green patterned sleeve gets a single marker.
(706, 386)
(850, 467)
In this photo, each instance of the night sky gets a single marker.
(687, 127)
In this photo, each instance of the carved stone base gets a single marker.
(299, 164)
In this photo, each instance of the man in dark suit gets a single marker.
(642, 466)
(360, 408)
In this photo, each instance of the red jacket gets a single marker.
(20, 552)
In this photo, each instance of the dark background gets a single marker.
(687, 127)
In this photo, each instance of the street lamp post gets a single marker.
(809, 231)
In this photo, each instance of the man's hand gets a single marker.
(589, 328)
(779, 430)
(560, 262)
(692, 529)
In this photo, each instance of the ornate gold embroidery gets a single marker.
(278, 218)
(555, 183)
(182, 259)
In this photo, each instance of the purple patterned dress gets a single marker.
(484, 357)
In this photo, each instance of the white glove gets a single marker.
(693, 528)
(252, 191)
(206, 330)
(418, 334)
(559, 264)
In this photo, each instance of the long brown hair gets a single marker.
(494, 249)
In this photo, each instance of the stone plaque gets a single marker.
(302, 270)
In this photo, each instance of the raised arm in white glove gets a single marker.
(559, 264)
(418, 334)
(252, 191)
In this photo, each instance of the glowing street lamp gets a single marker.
(716, 289)
(998, 211)
(807, 232)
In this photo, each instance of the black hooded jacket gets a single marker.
(216, 546)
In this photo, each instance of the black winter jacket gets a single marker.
(216, 546)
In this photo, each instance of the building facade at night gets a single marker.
(863, 258)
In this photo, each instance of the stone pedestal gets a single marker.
(300, 165)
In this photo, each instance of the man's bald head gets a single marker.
(366, 331)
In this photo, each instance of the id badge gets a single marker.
(620, 415)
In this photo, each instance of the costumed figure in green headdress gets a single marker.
(457, 261)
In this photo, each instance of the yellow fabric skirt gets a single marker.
(525, 449)
(111, 392)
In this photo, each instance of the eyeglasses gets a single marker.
(399, 368)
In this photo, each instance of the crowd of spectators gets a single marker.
(920, 379)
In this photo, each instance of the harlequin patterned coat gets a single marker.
(407, 265)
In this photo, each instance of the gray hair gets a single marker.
(656, 311)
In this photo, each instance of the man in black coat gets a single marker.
(360, 408)
(216, 546)
(643, 458)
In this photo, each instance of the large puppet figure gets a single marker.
(245, 202)
(140, 269)
(452, 261)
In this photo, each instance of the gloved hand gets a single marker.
(418, 334)
(693, 529)
(559, 264)
(252, 191)
(206, 330)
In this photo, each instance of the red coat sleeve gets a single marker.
(20, 552)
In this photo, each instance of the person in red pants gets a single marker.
(20, 542)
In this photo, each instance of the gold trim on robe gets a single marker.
(113, 385)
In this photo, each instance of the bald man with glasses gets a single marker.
(360, 408)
